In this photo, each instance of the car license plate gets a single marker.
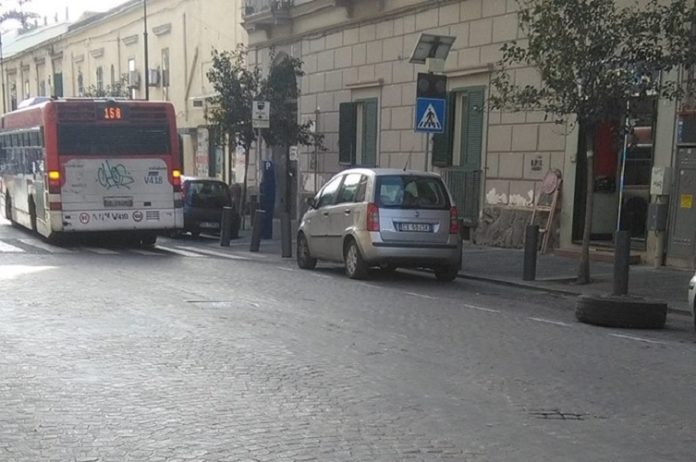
(416, 227)
(210, 225)
(118, 202)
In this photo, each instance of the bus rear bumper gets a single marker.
(117, 220)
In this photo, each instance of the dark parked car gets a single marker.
(204, 199)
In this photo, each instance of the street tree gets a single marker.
(236, 85)
(593, 57)
(281, 90)
(116, 90)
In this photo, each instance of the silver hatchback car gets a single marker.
(383, 218)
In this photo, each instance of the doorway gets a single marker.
(622, 166)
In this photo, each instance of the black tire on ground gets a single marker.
(623, 312)
(355, 266)
(446, 273)
(304, 258)
(149, 240)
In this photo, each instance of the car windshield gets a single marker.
(411, 192)
(208, 194)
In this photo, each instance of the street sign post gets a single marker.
(261, 114)
(430, 115)
(431, 103)
(431, 107)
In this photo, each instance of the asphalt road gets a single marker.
(187, 352)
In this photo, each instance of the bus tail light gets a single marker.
(54, 182)
(53, 206)
(176, 180)
(454, 221)
(372, 217)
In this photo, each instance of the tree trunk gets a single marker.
(584, 264)
(244, 187)
(288, 185)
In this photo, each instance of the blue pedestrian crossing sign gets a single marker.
(430, 115)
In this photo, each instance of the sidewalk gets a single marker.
(555, 274)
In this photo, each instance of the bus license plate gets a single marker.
(118, 202)
(416, 227)
(209, 225)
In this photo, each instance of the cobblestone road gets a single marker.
(127, 357)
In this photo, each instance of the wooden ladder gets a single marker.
(550, 210)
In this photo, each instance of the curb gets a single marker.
(550, 290)
(521, 285)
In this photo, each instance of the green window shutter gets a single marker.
(348, 120)
(443, 143)
(370, 109)
(473, 138)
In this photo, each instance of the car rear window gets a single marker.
(411, 192)
(208, 194)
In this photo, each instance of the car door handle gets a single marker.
(326, 214)
(346, 212)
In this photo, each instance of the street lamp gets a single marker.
(147, 70)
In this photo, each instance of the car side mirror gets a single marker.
(310, 203)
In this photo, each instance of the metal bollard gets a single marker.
(285, 236)
(256, 230)
(531, 246)
(226, 226)
(622, 260)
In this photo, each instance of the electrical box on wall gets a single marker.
(660, 181)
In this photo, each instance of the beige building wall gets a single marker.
(182, 32)
(363, 51)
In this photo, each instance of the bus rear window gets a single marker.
(113, 140)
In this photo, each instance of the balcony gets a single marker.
(263, 14)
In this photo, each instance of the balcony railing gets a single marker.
(257, 7)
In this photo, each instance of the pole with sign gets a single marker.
(431, 93)
(431, 107)
(260, 118)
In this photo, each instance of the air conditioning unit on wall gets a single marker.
(154, 77)
(133, 79)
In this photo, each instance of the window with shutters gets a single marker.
(462, 142)
(359, 132)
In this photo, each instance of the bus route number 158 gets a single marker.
(112, 113)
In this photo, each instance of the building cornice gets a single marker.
(349, 23)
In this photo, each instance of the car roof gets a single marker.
(389, 172)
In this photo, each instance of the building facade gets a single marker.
(361, 89)
(102, 52)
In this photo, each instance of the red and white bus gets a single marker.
(92, 165)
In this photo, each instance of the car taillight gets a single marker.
(454, 221)
(372, 217)
(176, 180)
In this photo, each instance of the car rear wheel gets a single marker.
(304, 258)
(356, 268)
(446, 273)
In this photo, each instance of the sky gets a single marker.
(49, 8)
